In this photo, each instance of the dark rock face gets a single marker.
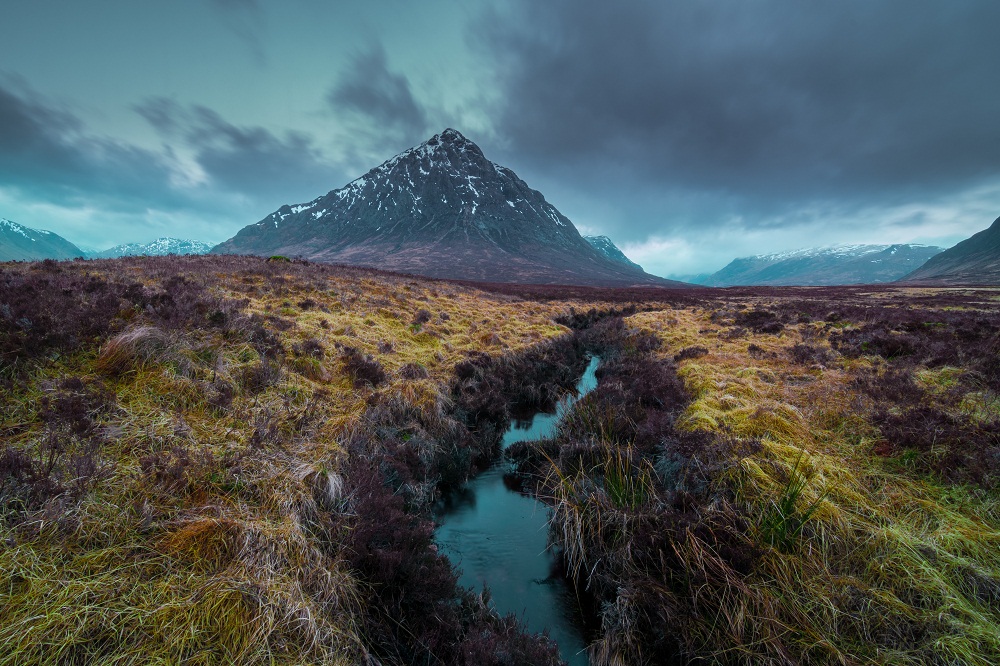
(606, 246)
(20, 243)
(440, 209)
(976, 260)
(849, 264)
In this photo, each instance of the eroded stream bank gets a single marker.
(629, 492)
(407, 453)
(498, 537)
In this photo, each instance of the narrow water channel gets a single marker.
(498, 537)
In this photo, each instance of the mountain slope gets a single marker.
(21, 243)
(846, 264)
(606, 246)
(440, 209)
(976, 260)
(157, 248)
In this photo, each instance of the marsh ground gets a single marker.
(216, 459)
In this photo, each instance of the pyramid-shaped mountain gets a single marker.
(976, 260)
(440, 209)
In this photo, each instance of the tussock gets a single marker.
(206, 530)
(195, 469)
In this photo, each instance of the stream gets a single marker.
(498, 537)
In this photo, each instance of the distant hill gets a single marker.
(21, 243)
(605, 246)
(441, 209)
(976, 260)
(157, 248)
(845, 264)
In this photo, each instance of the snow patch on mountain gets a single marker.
(830, 265)
(21, 243)
(442, 209)
(157, 248)
(606, 246)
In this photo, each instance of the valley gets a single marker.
(225, 458)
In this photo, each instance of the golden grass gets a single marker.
(883, 569)
(196, 548)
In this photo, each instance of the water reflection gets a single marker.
(499, 537)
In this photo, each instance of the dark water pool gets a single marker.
(498, 537)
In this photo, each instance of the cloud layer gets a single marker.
(765, 107)
(690, 132)
(210, 177)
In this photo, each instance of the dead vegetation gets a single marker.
(176, 478)
(227, 459)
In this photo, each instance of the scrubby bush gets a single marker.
(421, 318)
(258, 377)
(696, 351)
(760, 321)
(413, 371)
(363, 370)
(809, 355)
(24, 484)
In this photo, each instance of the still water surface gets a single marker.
(498, 537)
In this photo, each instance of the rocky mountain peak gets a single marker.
(441, 209)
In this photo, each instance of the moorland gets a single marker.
(234, 459)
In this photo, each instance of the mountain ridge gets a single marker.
(607, 247)
(155, 248)
(824, 266)
(21, 243)
(976, 260)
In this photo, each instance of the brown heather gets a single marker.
(232, 460)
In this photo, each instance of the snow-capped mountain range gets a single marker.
(440, 209)
(21, 243)
(157, 248)
(835, 265)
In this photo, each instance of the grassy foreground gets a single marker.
(230, 460)
(789, 477)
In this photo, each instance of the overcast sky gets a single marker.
(690, 132)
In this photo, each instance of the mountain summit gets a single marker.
(440, 209)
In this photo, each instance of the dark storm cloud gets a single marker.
(45, 152)
(379, 97)
(249, 160)
(767, 104)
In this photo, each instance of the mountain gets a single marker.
(605, 246)
(976, 260)
(843, 264)
(157, 248)
(21, 243)
(440, 209)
